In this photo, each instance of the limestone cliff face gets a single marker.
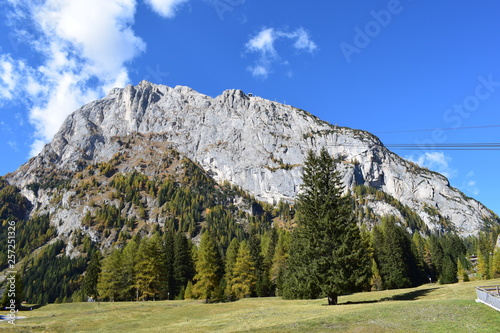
(255, 143)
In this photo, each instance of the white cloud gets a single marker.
(303, 41)
(34, 87)
(37, 146)
(8, 77)
(263, 42)
(13, 145)
(259, 70)
(165, 8)
(436, 161)
(89, 38)
(65, 97)
(84, 47)
(264, 45)
(470, 184)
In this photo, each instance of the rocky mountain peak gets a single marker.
(257, 144)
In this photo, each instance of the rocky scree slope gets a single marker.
(257, 144)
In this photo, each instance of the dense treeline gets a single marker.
(33, 233)
(171, 267)
(168, 265)
(232, 262)
(29, 233)
(52, 276)
(164, 265)
(487, 253)
(149, 268)
(214, 246)
(401, 260)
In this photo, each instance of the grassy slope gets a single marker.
(429, 308)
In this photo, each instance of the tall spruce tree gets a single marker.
(91, 277)
(437, 254)
(183, 265)
(170, 287)
(207, 269)
(419, 250)
(150, 268)
(127, 269)
(454, 250)
(495, 264)
(262, 286)
(449, 271)
(244, 277)
(392, 253)
(231, 254)
(328, 255)
(111, 281)
(280, 257)
(268, 244)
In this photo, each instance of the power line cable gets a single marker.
(443, 146)
(436, 129)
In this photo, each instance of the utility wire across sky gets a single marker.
(441, 146)
(445, 146)
(435, 129)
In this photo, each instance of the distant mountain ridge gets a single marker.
(257, 144)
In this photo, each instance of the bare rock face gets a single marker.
(255, 143)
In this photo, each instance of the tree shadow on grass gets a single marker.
(24, 307)
(359, 302)
(409, 296)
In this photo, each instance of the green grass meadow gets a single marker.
(428, 308)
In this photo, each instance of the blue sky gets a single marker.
(381, 66)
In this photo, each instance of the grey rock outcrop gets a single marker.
(255, 143)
